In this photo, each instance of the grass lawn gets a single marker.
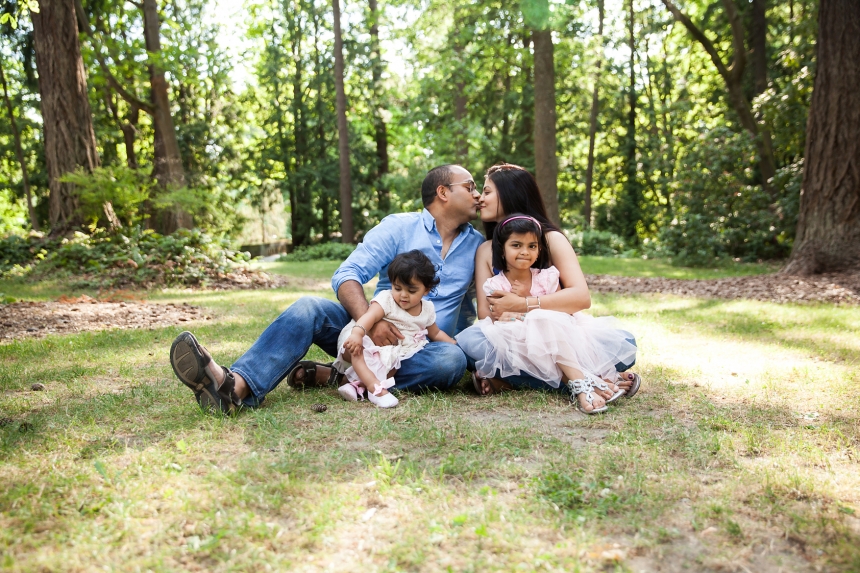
(740, 453)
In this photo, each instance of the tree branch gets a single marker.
(84, 24)
(702, 39)
(738, 44)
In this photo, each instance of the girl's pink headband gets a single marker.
(532, 219)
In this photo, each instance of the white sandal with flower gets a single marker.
(586, 387)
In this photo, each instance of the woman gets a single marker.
(511, 189)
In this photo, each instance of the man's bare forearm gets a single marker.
(351, 296)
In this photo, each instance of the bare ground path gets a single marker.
(65, 316)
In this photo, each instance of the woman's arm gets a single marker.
(572, 297)
(436, 334)
(483, 271)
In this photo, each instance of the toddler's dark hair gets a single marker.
(413, 264)
(519, 223)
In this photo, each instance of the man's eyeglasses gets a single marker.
(470, 185)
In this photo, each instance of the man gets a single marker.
(441, 231)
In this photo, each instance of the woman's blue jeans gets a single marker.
(313, 320)
(475, 342)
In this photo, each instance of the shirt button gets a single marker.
(437, 242)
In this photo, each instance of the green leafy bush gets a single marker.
(17, 252)
(720, 214)
(125, 188)
(321, 252)
(597, 243)
(131, 257)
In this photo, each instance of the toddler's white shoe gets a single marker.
(385, 401)
(348, 393)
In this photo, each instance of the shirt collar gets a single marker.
(430, 222)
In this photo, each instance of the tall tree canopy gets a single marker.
(676, 126)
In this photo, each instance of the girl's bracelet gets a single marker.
(361, 327)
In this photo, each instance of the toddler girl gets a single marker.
(371, 367)
(547, 344)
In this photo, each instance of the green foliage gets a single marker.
(321, 252)
(597, 243)
(16, 252)
(125, 188)
(718, 214)
(130, 257)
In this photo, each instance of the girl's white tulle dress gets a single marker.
(382, 359)
(546, 338)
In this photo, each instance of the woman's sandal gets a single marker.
(496, 386)
(635, 383)
(310, 379)
(580, 386)
(189, 364)
(602, 385)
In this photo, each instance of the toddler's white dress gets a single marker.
(546, 338)
(382, 359)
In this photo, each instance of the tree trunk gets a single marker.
(70, 141)
(546, 162)
(34, 221)
(129, 131)
(346, 225)
(168, 162)
(379, 127)
(828, 226)
(592, 124)
(758, 43)
(302, 215)
(322, 144)
(628, 208)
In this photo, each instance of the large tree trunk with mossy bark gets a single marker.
(828, 227)
(70, 141)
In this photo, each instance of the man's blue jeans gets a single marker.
(313, 320)
(473, 339)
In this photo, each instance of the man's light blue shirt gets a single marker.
(404, 232)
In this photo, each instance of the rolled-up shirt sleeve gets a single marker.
(379, 247)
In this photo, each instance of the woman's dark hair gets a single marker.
(413, 265)
(519, 223)
(518, 193)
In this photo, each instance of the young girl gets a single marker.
(412, 276)
(547, 344)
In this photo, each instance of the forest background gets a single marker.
(665, 142)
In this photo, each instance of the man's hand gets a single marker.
(384, 333)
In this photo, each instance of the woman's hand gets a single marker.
(502, 302)
(512, 316)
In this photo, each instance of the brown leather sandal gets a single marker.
(496, 386)
(310, 369)
(189, 364)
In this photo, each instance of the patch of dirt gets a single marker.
(248, 279)
(566, 427)
(70, 315)
(840, 288)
